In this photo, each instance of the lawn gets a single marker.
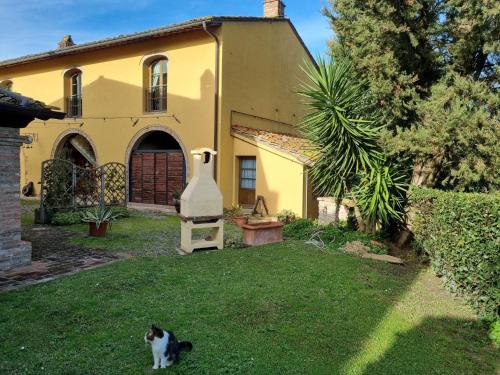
(140, 234)
(287, 308)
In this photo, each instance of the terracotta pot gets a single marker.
(101, 232)
(240, 220)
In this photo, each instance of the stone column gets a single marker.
(13, 251)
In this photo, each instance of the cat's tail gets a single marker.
(185, 345)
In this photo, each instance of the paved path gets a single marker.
(154, 208)
(52, 256)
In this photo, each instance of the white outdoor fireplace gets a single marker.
(201, 205)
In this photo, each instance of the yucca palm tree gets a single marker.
(343, 127)
(380, 195)
(340, 125)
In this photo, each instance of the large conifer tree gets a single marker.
(432, 69)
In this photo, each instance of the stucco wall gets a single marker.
(112, 81)
(260, 77)
(279, 179)
(259, 74)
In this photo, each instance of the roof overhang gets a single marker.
(195, 24)
(281, 144)
(177, 28)
(15, 116)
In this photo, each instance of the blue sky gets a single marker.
(37, 25)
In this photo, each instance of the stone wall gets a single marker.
(13, 251)
(326, 210)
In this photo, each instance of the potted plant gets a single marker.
(237, 216)
(176, 198)
(98, 219)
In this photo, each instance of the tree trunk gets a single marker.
(336, 213)
(359, 219)
(425, 171)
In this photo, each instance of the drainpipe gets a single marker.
(216, 95)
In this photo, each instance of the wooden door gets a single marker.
(154, 176)
(135, 188)
(175, 174)
(161, 182)
(247, 181)
(148, 177)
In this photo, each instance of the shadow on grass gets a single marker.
(280, 309)
(439, 346)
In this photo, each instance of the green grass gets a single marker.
(287, 308)
(141, 234)
(280, 309)
(27, 211)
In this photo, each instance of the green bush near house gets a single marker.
(300, 229)
(333, 237)
(66, 218)
(495, 332)
(75, 217)
(286, 216)
(460, 232)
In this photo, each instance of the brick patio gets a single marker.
(53, 256)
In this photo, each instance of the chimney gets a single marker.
(66, 41)
(274, 8)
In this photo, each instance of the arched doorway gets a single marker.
(156, 168)
(77, 149)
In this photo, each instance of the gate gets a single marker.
(66, 186)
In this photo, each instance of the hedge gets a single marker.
(460, 232)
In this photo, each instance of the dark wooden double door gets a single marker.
(155, 176)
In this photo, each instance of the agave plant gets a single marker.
(380, 194)
(341, 125)
(99, 215)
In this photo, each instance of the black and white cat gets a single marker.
(165, 347)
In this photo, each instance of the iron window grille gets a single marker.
(74, 106)
(156, 99)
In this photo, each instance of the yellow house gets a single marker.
(148, 98)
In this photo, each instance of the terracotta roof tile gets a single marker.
(298, 147)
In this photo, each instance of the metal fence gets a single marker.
(66, 186)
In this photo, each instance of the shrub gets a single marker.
(286, 216)
(75, 217)
(235, 210)
(495, 333)
(66, 218)
(301, 229)
(233, 241)
(332, 236)
(459, 233)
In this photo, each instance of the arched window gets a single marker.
(73, 93)
(6, 84)
(156, 91)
